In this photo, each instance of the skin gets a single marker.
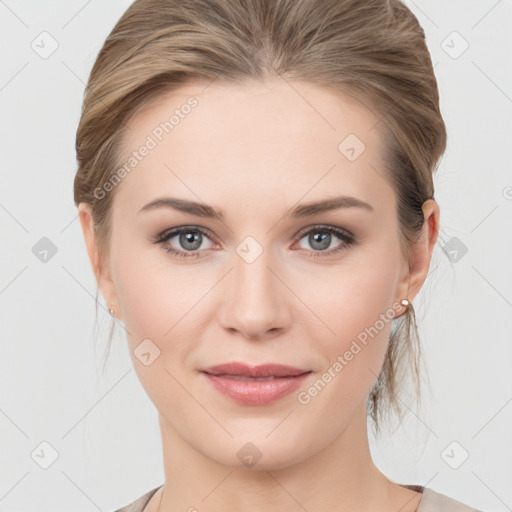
(255, 151)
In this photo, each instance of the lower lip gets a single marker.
(256, 392)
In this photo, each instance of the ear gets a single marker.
(412, 278)
(101, 272)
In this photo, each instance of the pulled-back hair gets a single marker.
(373, 51)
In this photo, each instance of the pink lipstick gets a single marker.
(258, 385)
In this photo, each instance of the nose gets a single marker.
(255, 301)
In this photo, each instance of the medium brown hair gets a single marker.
(375, 51)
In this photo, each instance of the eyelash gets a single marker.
(345, 236)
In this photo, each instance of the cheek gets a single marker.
(355, 306)
(160, 302)
(153, 294)
(157, 305)
(138, 300)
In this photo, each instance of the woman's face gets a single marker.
(269, 280)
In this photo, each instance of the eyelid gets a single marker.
(166, 234)
(324, 227)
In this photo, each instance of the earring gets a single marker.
(404, 302)
(111, 310)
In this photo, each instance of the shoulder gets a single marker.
(433, 501)
(139, 504)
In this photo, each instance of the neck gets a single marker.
(341, 476)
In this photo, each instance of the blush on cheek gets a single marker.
(362, 322)
(141, 309)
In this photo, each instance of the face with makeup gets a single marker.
(260, 229)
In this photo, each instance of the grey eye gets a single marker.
(190, 240)
(319, 240)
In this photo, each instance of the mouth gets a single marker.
(258, 385)
(263, 371)
(253, 379)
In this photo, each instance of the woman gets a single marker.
(255, 191)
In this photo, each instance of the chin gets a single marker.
(257, 455)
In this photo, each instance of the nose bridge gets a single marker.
(254, 302)
(252, 276)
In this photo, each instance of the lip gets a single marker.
(238, 381)
(262, 370)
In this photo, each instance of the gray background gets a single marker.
(103, 427)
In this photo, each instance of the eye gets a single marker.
(320, 239)
(190, 239)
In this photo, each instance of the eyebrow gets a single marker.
(302, 210)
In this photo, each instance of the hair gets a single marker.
(373, 51)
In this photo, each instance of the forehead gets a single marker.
(255, 138)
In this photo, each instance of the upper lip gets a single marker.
(263, 370)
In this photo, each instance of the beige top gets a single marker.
(431, 501)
